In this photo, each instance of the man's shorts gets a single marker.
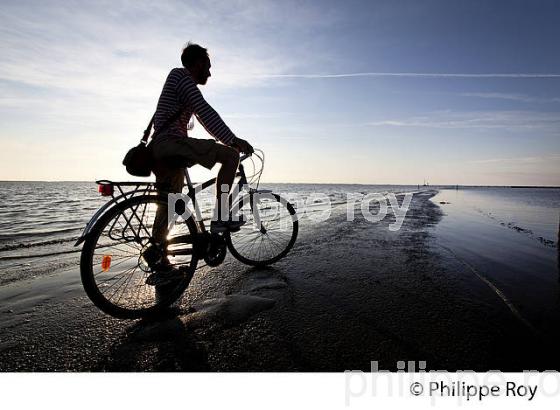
(190, 151)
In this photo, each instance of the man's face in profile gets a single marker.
(201, 71)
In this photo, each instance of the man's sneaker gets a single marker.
(164, 275)
(223, 226)
(230, 226)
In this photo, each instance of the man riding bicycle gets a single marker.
(173, 149)
(181, 94)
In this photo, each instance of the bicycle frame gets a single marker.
(149, 188)
(191, 191)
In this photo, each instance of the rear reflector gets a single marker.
(105, 189)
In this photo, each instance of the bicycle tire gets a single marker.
(163, 296)
(261, 254)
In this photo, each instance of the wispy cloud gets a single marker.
(519, 160)
(253, 116)
(512, 97)
(426, 75)
(98, 49)
(511, 120)
(91, 66)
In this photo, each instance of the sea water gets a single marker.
(41, 221)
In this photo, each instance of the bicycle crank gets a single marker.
(216, 250)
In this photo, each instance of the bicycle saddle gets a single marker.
(174, 161)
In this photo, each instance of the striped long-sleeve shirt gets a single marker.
(181, 93)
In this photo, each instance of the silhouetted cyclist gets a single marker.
(180, 94)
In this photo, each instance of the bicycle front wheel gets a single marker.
(270, 232)
(115, 265)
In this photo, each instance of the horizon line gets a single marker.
(322, 183)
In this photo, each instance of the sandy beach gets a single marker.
(348, 294)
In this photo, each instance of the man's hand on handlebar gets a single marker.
(243, 146)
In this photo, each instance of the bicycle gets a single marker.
(117, 255)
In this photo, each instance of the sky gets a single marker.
(371, 92)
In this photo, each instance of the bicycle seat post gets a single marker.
(188, 178)
(192, 195)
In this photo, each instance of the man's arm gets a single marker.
(188, 92)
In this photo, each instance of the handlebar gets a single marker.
(257, 153)
(256, 176)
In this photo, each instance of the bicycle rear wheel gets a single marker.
(270, 232)
(115, 266)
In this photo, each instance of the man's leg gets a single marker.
(167, 180)
(229, 159)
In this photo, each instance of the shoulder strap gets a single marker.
(147, 131)
(166, 124)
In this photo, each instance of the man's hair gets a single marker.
(193, 53)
